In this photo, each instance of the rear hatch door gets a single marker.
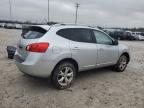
(31, 34)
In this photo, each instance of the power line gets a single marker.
(48, 12)
(77, 6)
(10, 9)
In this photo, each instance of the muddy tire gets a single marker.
(64, 75)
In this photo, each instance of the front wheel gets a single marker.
(121, 64)
(64, 75)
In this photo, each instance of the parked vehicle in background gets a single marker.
(138, 35)
(9, 26)
(1, 25)
(117, 34)
(18, 26)
(129, 35)
(121, 35)
(142, 33)
(112, 32)
(60, 51)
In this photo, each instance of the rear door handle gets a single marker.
(76, 48)
(101, 49)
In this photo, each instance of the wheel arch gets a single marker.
(127, 55)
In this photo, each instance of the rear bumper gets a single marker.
(39, 69)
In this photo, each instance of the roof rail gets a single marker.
(64, 24)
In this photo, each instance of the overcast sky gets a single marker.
(117, 13)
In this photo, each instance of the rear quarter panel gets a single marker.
(59, 48)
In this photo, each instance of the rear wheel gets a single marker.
(63, 75)
(121, 64)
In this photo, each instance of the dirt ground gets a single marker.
(100, 88)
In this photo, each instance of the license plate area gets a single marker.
(22, 52)
(19, 59)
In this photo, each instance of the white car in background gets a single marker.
(18, 26)
(2, 24)
(9, 26)
(138, 35)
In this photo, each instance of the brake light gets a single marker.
(37, 47)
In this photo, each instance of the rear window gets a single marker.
(33, 32)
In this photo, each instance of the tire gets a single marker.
(60, 78)
(121, 64)
(10, 56)
(11, 51)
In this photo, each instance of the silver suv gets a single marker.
(60, 51)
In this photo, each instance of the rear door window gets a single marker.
(33, 32)
(78, 34)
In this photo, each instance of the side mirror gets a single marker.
(115, 42)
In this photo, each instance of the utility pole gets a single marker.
(77, 6)
(48, 12)
(10, 9)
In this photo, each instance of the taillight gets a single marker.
(37, 47)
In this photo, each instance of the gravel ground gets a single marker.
(99, 88)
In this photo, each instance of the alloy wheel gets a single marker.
(65, 76)
(122, 63)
